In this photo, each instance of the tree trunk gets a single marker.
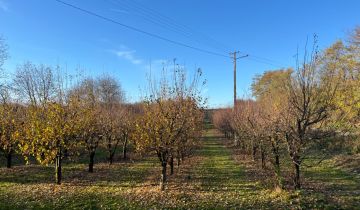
(8, 159)
(263, 163)
(171, 166)
(297, 184)
(125, 149)
(91, 163)
(163, 176)
(58, 174)
(178, 159)
(111, 158)
(236, 140)
(254, 148)
(109, 150)
(66, 153)
(276, 163)
(277, 171)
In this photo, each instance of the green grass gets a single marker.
(31, 187)
(327, 186)
(213, 178)
(223, 179)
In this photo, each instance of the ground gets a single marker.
(215, 177)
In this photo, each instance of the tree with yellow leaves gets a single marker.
(172, 120)
(11, 124)
(50, 130)
(50, 127)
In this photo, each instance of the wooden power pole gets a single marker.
(234, 56)
(234, 61)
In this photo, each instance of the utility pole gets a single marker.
(234, 57)
(234, 61)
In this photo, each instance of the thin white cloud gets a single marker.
(4, 6)
(123, 52)
(129, 55)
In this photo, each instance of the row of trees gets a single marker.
(46, 119)
(50, 116)
(296, 110)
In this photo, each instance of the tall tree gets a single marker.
(35, 84)
(271, 94)
(343, 62)
(50, 131)
(51, 125)
(91, 121)
(165, 125)
(113, 114)
(311, 97)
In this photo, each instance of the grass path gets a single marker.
(224, 183)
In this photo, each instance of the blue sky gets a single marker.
(44, 31)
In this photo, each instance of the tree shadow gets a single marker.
(120, 174)
(219, 172)
(331, 186)
(126, 174)
(27, 174)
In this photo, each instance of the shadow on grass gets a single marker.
(219, 172)
(332, 187)
(86, 199)
(119, 174)
(27, 174)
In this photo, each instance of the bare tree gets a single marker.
(114, 114)
(311, 96)
(35, 83)
(355, 36)
(91, 120)
(3, 52)
(222, 119)
(110, 91)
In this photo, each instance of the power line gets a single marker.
(167, 20)
(184, 30)
(264, 61)
(157, 21)
(251, 57)
(140, 30)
